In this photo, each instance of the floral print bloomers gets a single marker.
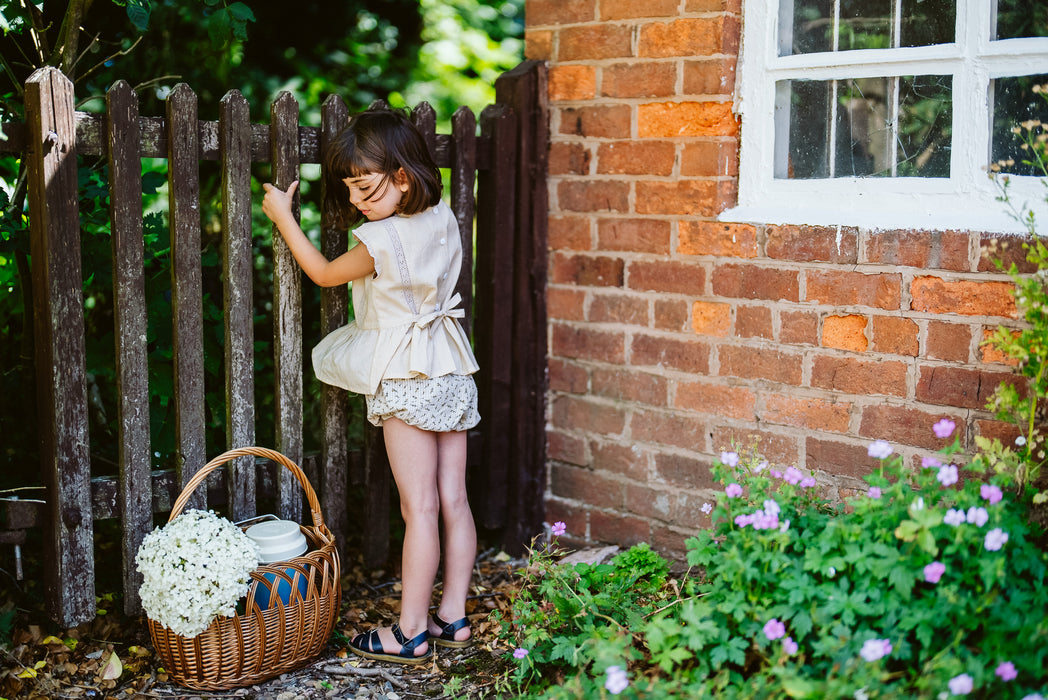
(438, 404)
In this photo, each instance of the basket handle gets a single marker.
(198, 478)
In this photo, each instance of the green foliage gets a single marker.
(801, 596)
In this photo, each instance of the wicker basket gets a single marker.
(260, 644)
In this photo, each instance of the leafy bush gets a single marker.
(919, 586)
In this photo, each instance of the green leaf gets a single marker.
(907, 530)
(138, 12)
(798, 687)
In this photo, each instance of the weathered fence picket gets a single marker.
(505, 164)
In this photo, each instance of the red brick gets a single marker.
(716, 399)
(683, 472)
(593, 42)
(716, 238)
(687, 513)
(587, 270)
(634, 235)
(666, 276)
(944, 250)
(567, 83)
(710, 158)
(569, 159)
(949, 341)
(630, 385)
(711, 318)
(991, 354)
(570, 233)
(686, 119)
(937, 296)
(565, 304)
(651, 503)
(623, 530)
(607, 122)
(588, 344)
(683, 355)
(851, 376)
(646, 79)
(670, 543)
(538, 45)
(813, 244)
(636, 158)
(679, 198)
(855, 289)
(619, 308)
(754, 282)
(810, 413)
(542, 12)
(587, 486)
(684, 37)
(1008, 250)
(566, 448)
(998, 430)
(840, 458)
(628, 460)
(567, 376)
(671, 315)
(631, 9)
(895, 335)
(963, 388)
(906, 426)
(578, 413)
(711, 76)
(776, 448)
(799, 327)
(845, 332)
(713, 6)
(558, 510)
(664, 428)
(753, 322)
(761, 363)
(593, 195)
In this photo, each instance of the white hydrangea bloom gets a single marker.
(194, 569)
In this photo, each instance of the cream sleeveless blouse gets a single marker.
(407, 312)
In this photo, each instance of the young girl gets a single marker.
(406, 352)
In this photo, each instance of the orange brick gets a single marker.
(631, 9)
(680, 198)
(594, 41)
(593, 195)
(855, 288)
(542, 12)
(845, 333)
(710, 157)
(686, 119)
(572, 83)
(600, 122)
(538, 44)
(717, 399)
(568, 159)
(682, 37)
(935, 295)
(643, 79)
(802, 412)
(711, 318)
(636, 158)
(715, 238)
(710, 76)
(991, 354)
(634, 235)
(895, 335)
(569, 233)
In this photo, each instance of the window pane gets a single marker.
(862, 131)
(1016, 106)
(927, 22)
(865, 24)
(812, 27)
(808, 106)
(925, 126)
(1021, 18)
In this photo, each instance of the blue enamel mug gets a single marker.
(278, 541)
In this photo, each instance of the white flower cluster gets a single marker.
(194, 569)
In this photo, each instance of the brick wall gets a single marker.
(673, 335)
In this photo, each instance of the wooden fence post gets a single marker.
(130, 324)
(58, 321)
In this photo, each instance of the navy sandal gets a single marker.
(370, 647)
(446, 638)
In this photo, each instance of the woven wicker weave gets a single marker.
(260, 644)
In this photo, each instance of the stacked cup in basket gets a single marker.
(301, 594)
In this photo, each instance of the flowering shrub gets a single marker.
(922, 586)
(194, 569)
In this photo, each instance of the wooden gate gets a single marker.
(507, 164)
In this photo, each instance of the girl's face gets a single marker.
(374, 199)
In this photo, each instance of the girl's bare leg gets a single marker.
(460, 532)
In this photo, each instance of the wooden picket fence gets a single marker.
(506, 315)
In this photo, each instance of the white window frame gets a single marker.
(964, 201)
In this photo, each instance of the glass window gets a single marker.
(1021, 18)
(817, 26)
(1020, 111)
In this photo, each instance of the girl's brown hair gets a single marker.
(381, 141)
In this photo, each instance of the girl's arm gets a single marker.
(325, 273)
